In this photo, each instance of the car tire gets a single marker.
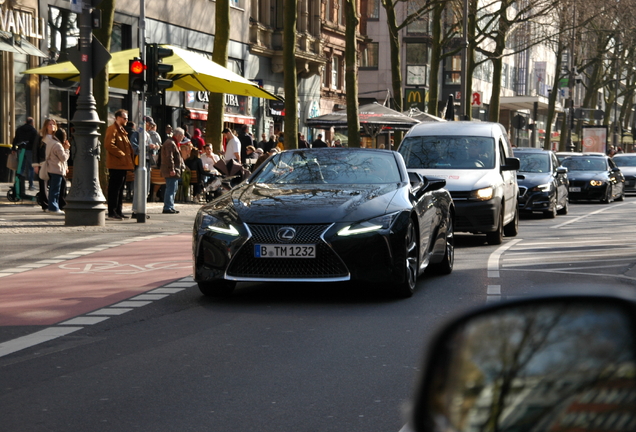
(218, 288)
(512, 229)
(564, 210)
(496, 237)
(406, 288)
(446, 265)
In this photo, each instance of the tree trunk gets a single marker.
(100, 86)
(216, 108)
(436, 60)
(290, 75)
(351, 76)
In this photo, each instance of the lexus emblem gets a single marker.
(286, 234)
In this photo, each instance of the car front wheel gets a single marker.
(446, 265)
(496, 237)
(411, 263)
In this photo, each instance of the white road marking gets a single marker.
(134, 304)
(585, 215)
(84, 321)
(493, 259)
(110, 311)
(36, 338)
(149, 297)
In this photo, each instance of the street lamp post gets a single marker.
(85, 201)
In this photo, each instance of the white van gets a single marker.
(476, 160)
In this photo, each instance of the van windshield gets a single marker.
(448, 152)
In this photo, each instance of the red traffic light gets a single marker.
(137, 67)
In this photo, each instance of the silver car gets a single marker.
(627, 164)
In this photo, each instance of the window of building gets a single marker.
(63, 31)
(369, 56)
(422, 24)
(373, 11)
(335, 64)
(341, 12)
(416, 53)
(452, 70)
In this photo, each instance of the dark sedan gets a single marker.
(594, 178)
(543, 183)
(326, 215)
(627, 164)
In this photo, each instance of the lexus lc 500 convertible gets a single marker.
(326, 215)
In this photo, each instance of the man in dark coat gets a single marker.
(318, 143)
(246, 140)
(302, 142)
(26, 134)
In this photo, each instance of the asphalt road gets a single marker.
(157, 356)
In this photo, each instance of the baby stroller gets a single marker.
(232, 174)
(17, 192)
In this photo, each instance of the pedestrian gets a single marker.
(208, 159)
(171, 165)
(168, 131)
(26, 135)
(195, 164)
(119, 160)
(133, 137)
(263, 142)
(197, 140)
(232, 146)
(270, 144)
(245, 140)
(263, 158)
(60, 134)
(337, 143)
(155, 140)
(39, 155)
(302, 142)
(56, 158)
(319, 143)
(280, 144)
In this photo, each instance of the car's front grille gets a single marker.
(326, 264)
(579, 183)
(460, 195)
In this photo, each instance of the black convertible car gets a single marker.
(326, 215)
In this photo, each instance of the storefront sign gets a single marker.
(21, 23)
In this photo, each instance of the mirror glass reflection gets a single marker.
(562, 367)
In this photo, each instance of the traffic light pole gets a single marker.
(141, 174)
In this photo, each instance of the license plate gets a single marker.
(285, 251)
(575, 189)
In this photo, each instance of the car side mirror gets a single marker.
(562, 170)
(512, 164)
(546, 362)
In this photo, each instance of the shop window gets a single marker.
(369, 56)
(452, 70)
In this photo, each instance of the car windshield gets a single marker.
(330, 166)
(534, 162)
(585, 164)
(448, 152)
(629, 161)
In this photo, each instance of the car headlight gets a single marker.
(211, 223)
(483, 194)
(596, 182)
(376, 224)
(542, 188)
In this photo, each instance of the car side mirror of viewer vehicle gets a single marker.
(512, 164)
(547, 364)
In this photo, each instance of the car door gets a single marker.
(509, 183)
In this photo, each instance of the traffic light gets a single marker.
(136, 80)
(157, 70)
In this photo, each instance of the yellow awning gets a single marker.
(192, 72)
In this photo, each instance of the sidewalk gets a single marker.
(27, 216)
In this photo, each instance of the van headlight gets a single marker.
(483, 194)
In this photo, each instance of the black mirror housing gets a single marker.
(512, 164)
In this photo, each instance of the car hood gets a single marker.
(463, 180)
(263, 203)
(628, 170)
(534, 179)
(587, 175)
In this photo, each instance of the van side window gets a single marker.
(502, 153)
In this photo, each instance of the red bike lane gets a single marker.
(75, 286)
